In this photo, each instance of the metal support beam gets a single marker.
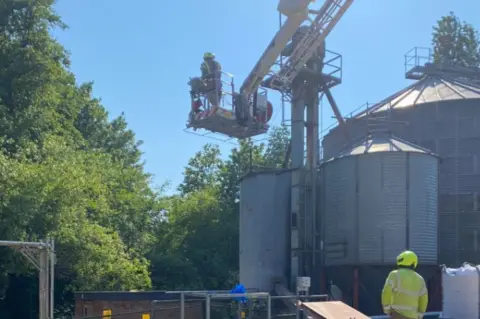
(43, 284)
(286, 158)
(52, 261)
(312, 100)
(31, 254)
(42, 256)
(336, 112)
(297, 154)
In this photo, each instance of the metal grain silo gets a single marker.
(379, 198)
(264, 228)
(440, 112)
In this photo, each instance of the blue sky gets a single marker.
(140, 55)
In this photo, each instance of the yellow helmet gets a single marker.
(407, 259)
(209, 55)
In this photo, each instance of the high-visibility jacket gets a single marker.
(210, 68)
(405, 292)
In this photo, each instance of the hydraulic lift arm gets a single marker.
(325, 20)
(276, 46)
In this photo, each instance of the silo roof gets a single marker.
(381, 143)
(430, 89)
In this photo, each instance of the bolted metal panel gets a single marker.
(339, 211)
(451, 128)
(383, 205)
(377, 204)
(264, 228)
(423, 198)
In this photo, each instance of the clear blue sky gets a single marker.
(140, 55)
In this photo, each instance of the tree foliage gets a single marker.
(198, 239)
(69, 172)
(66, 170)
(456, 42)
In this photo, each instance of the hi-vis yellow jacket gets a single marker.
(405, 292)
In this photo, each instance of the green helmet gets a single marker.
(407, 259)
(209, 55)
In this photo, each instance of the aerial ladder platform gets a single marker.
(314, 37)
(219, 108)
(324, 21)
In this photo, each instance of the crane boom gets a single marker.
(325, 20)
(278, 43)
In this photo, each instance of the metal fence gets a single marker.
(214, 305)
(224, 305)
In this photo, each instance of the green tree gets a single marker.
(252, 157)
(276, 148)
(35, 87)
(197, 235)
(456, 42)
(100, 134)
(65, 170)
(202, 170)
(191, 251)
(65, 197)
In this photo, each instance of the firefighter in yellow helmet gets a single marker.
(405, 294)
(211, 75)
(210, 67)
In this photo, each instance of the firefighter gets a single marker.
(211, 75)
(405, 294)
(210, 67)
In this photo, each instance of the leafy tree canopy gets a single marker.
(456, 42)
(67, 171)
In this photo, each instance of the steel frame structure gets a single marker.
(42, 256)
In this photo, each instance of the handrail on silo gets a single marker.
(415, 59)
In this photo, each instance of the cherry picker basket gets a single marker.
(216, 107)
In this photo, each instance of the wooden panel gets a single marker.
(331, 310)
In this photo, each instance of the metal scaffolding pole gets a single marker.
(42, 256)
(312, 101)
(43, 283)
(297, 154)
(52, 261)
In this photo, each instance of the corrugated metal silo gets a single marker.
(378, 199)
(264, 228)
(441, 113)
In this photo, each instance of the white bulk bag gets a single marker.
(461, 292)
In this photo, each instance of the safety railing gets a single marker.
(415, 60)
(358, 110)
(223, 304)
(333, 65)
(219, 90)
(227, 94)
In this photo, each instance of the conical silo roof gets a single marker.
(380, 143)
(430, 89)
